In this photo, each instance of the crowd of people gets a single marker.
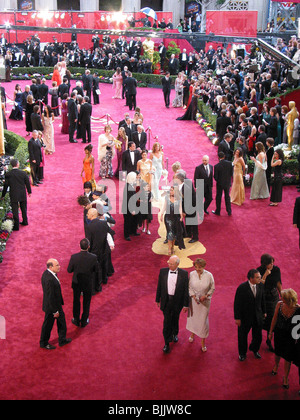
(235, 100)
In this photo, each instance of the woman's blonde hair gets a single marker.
(290, 297)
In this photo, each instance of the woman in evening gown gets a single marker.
(88, 169)
(28, 111)
(282, 327)
(259, 187)
(171, 214)
(191, 112)
(277, 164)
(237, 194)
(17, 110)
(106, 152)
(144, 167)
(158, 165)
(201, 289)
(117, 84)
(178, 100)
(48, 134)
(54, 99)
(120, 150)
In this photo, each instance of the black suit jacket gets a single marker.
(18, 182)
(85, 113)
(130, 85)
(200, 173)
(52, 296)
(96, 233)
(225, 148)
(223, 172)
(140, 143)
(127, 163)
(83, 265)
(166, 84)
(181, 297)
(62, 89)
(248, 308)
(221, 126)
(36, 122)
(43, 93)
(72, 110)
(34, 150)
(296, 215)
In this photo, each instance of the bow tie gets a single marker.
(173, 272)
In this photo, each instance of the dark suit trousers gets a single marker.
(219, 198)
(86, 302)
(167, 97)
(132, 102)
(34, 169)
(15, 212)
(130, 225)
(243, 332)
(48, 325)
(208, 197)
(86, 130)
(96, 98)
(72, 128)
(171, 321)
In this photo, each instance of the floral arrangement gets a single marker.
(207, 127)
(5, 232)
(289, 153)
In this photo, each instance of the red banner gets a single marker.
(232, 23)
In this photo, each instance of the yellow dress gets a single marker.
(237, 194)
(145, 168)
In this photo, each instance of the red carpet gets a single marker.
(119, 355)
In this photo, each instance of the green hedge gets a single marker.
(27, 73)
(17, 147)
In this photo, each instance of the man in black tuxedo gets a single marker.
(18, 182)
(96, 233)
(269, 153)
(63, 88)
(36, 121)
(96, 89)
(130, 158)
(223, 172)
(183, 60)
(129, 127)
(87, 80)
(130, 207)
(140, 138)
(35, 157)
(224, 147)
(162, 53)
(222, 123)
(84, 266)
(296, 216)
(130, 87)
(43, 92)
(249, 313)
(166, 84)
(189, 210)
(173, 65)
(72, 116)
(205, 171)
(172, 295)
(53, 307)
(85, 119)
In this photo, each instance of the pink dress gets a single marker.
(117, 85)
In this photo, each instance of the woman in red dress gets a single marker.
(56, 77)
(64, 115)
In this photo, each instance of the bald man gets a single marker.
(172, 296)
(52, 306)
(205, 171)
